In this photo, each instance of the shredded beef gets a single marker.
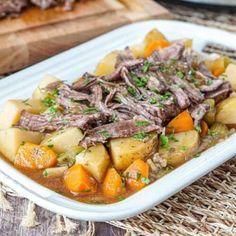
(155, 89)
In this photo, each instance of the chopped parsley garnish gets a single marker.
(141, 123)
(172, 138)
(50, 145)
(197, 155)
(114, 117)
(48, 102)
(52, 109)
(86, 191)
(132, 90)
(26, 102)
(146, 66)
(104, 133)
(138, 175)
(152, 100)
(139, 81)
(209, 82)
(180, 74)
(141, 135)
(184, 148)
(120, 198)
(145, 180)
(212, 133)
(86, 82)
(164, 141)
(90, 110)
(45, 173)
(165, 96)
(55, 92)
(198, 128)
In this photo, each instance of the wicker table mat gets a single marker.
(207, 207)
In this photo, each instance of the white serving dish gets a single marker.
(69, 66)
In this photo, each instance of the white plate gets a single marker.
(214, 2)
(69, 66)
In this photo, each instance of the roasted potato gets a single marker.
(210, 116)
(226, 111)
(138, 50)
(126, 150)
(12, 109)
(11, 139)
(230, 75)
(39, 92)
(107, 64)
(180, 147)
(63, 140)
(96, 160)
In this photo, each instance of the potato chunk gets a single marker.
(124, 151)
(226, 111)
(12, 109)
(38, 92)
(180, 148)
(63, 140)
(96, 160)
(153, 35)
(11, 139)
(230, 75)
(107, 64)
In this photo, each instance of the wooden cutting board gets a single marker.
(37, 34)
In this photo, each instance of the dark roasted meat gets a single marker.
(12, 7)
(155, 90)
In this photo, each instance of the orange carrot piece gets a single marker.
(136, 175)
(156, 45)
(217, 72)
(181, 123)
(34, 156)
(112, 184)
(204, 128)
(78, 180)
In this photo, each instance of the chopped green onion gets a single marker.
(141, 136)
(141, 123)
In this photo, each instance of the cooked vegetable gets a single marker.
(39, 93)
(181, 123)
(164, 171)
(112, 184)
(136, 175)
(204, 129)
(126, 150)
(210, 116)
(63, 140)
(12, 109)
(216, 66)
(153, 36)
(230, 75)
(54, 172)
(107, 64)
(138, 50)
(78, 180)
(180, 147)
(96, 160)
(218, 131)
(226, 111)
(11, 139)
(155, 45)
(68, 157)
(34, 156)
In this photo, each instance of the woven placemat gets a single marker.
(207, 207)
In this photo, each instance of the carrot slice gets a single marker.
(181, 123)
(34, 156)
(78, 180)
(204, 128)
(112, 184)
(156, 45)
(136, 175)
